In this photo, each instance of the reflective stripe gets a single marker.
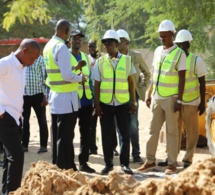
(116, 91)
(59, 82)
(191, 89)
(116, 79)
(52, 70)
(175, 59)
(167, 84)
(190, 79)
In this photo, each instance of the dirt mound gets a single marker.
(47, 179)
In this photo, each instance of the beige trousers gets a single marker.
(163, 110)
(189, 121)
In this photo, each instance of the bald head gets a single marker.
(30, 44)
(63, 29)
(28, 52)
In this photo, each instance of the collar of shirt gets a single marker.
(166, 51)
(58, 38)
(16, 61)
(115, 59)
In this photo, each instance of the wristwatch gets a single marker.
(179, 102)
(135, 103)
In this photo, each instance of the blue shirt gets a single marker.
(84, 100)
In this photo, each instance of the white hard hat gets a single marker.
(166, 25)
(111, 34)
(123, 34)
(183, 36)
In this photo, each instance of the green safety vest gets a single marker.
(165, 77)
(54, 78)
(114, 82)
(191, 88)
(86, 72)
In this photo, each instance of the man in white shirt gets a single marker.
(168, 85)
(11, 103)
(193, 97)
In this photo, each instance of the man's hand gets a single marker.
(84, 79)
(201, 108)
(80, 65)
(99, 110)
(148, 102)
(177, 107)
(133, 109)
(44, 102)
(1, 116)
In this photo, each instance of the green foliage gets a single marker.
(26, 10)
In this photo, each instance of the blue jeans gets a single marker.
(133, 131)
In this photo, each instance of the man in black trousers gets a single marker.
(11, 101)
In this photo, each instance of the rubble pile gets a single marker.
(47, 179)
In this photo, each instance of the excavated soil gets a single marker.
(45, 178)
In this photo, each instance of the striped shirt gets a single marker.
(35, 77)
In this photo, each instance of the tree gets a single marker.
(25, 10)
(70, 10)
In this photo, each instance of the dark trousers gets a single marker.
(10, 136)
(63, 126)
(122, 118)
(35, 102)
(92, 138)
(84, 115)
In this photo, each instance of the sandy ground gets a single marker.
(96, 161)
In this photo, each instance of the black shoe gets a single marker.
(25, 149)
(42, 149)
(127, 170)
(115, 153)
(93, 152)
(163, 163)
(74, 168)
(86, 168)
(106, 170)
(187, 164)
(138, 159)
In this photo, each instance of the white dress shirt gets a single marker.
(12, 83)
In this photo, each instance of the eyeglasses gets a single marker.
(77, 39)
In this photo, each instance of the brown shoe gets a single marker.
(146, 166)
(171, 169)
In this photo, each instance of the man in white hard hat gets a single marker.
(193, 100)
(141, 81)
(114, 85)
(169, 65)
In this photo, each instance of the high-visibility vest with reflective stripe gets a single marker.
(114, 82)
(165, 77)
(54, 78)
(86, 72)
(191, 88)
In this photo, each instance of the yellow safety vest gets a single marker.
(165, 77)
(191, 88)
(86, 72)
(114, 82)
(54, 78)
